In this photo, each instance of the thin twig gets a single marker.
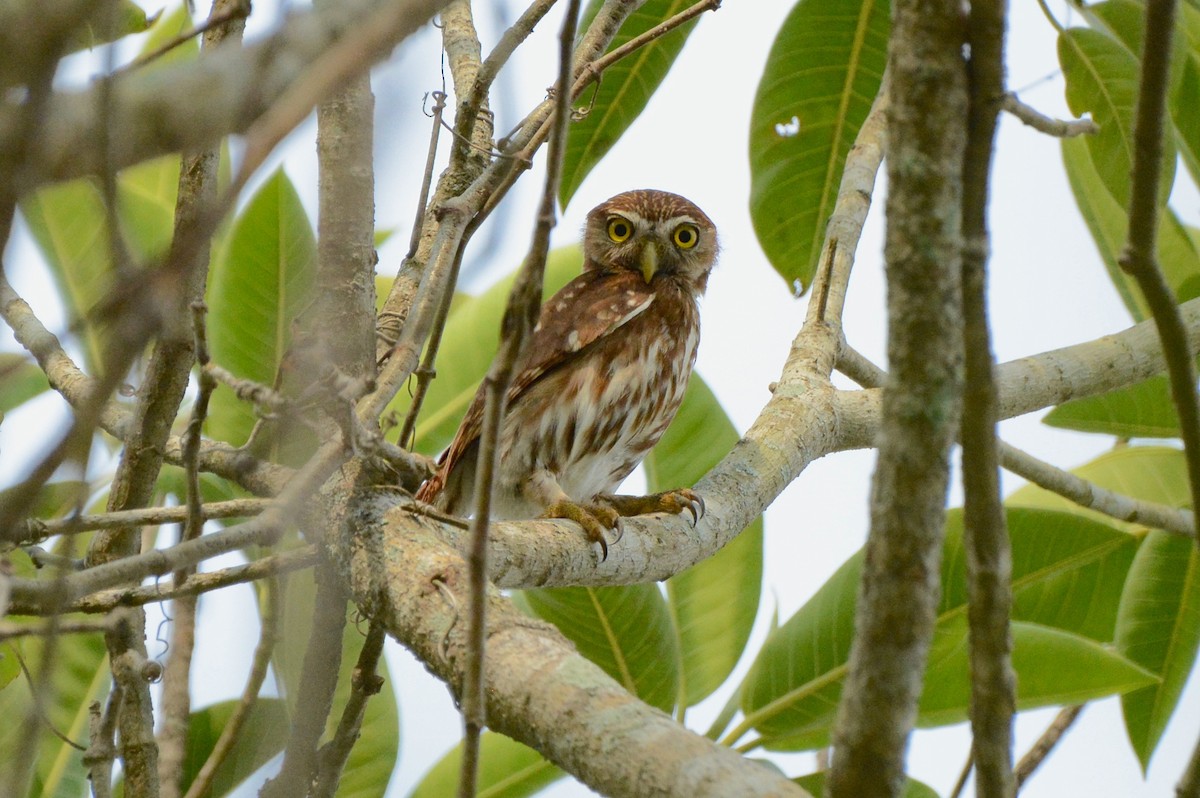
(1045, 744)
(520, 314)
(148, 516)
(364, 683)
(102, 749)
(259, 666)
(1063, 483)
(1060, 128)
(963, 775)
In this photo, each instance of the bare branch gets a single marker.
(1045, 124)
(1045, 744)
(364, 683)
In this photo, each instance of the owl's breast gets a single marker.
(595, 421)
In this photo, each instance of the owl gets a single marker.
(601, 377)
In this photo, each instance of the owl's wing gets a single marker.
(585, 310)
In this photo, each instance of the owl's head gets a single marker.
(655, 233)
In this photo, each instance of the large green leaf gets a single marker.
(822, 74)
(1185, 115)
(507, 769)
(261, 281)
(108, 25)
(624, 90)
(792, 690)
(625, 630)
(713, 603)
(1178, 253)
(815, 784)
(1053, 667)
(1144, 410)
(1159, 628)
(1101, 80)
(262, 737)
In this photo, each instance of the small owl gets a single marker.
(601, 377)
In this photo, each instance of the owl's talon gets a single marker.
(596, 520)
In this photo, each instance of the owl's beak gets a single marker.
(649, 261)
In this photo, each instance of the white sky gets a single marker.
(1048, 289)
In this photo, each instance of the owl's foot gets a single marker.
(669, 501)
(597, 520)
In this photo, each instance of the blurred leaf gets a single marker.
(110, 24)
(20, 380)
(623, 91)
(261, 281)
(1143, 410)
(79, 677)
(713, 603)
(146, 196)
(794, 685)
(625, 630)
(54, 499)
(815, 784)
(165, 29)
(507, 769)
(1159, 628)
(67, 223)
(263, 736)
(822, 75)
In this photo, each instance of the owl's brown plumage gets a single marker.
(602, 376)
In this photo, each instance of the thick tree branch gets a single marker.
(985, 538)
(227, 94)
(540, 691)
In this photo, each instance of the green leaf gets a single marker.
(20, 381)
(261, 282)
(793, 687)
(165, 29)
(1053, 667)
(822, 75)
(1178, 251)
(79, 677)
(1159, 628)
(263, 736)
(507, 769)
(373, 757)
(625, 630)
(67, 223)
(108, 25)
(623, 91)
(1185, 115)
(146, 196)
(1144, 410)
(713, 603)
(1101, 80)
(10, 667)
(815, 784)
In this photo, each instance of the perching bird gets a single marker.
(601, 377)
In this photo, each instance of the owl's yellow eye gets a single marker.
(619, 229)
(686, 236)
